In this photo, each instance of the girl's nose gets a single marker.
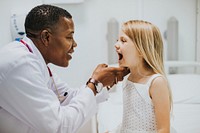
(116, 45)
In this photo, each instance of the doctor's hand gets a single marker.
(109, 76)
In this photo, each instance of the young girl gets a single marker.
(146, 94)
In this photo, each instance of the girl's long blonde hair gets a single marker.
(148, 41)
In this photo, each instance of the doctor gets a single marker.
(32, 98)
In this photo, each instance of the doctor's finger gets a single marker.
(119, 78)
(102, 65)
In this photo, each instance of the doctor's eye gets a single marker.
(69, 38)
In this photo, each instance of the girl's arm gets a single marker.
(159, 93)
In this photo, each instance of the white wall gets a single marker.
(91, 19)
(198, 32)
(159, 11)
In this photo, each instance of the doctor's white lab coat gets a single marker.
(28, 100)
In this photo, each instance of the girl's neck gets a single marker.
(140, 74)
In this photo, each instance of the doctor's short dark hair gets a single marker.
(42, 17)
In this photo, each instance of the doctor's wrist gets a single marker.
(98, 86)
(92, 87)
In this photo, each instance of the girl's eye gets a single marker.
(123, 40)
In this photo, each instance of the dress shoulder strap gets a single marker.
(152, 78)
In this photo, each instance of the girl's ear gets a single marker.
(45, 37)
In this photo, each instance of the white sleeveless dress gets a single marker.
(138, 109)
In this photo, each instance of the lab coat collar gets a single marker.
(37, 53)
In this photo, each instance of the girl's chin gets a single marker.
(122, 65)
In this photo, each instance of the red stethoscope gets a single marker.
(30, 50)
(60, 98)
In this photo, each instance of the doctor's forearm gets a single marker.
(80, 109)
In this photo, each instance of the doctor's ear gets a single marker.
(45, 36)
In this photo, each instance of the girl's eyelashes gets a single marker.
(122, 39)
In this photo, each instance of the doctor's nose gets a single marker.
(74, 44)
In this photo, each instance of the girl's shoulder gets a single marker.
(158, 84)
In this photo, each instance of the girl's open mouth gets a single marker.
(120, 56)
